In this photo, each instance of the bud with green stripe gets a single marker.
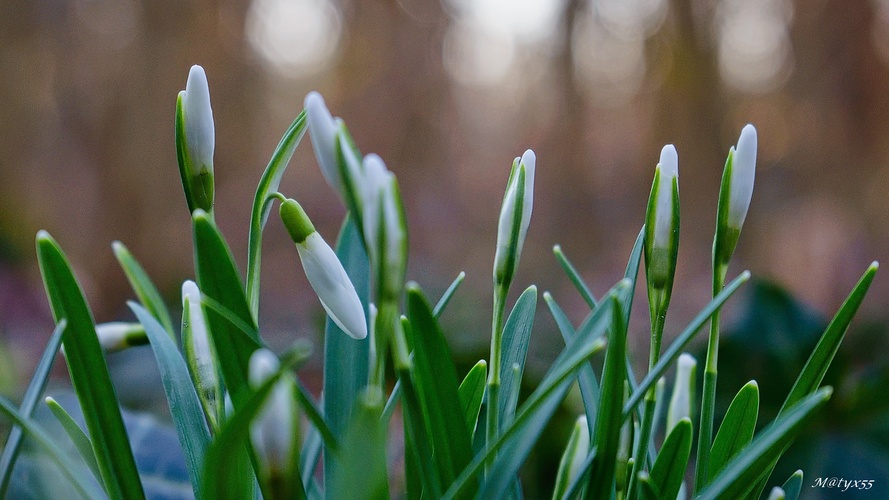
(195, 141)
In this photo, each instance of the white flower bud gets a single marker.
(511, 239)
(743, 172)
(394, 247)
(200, 135)
(663, 224)
(680, 401)
(272, 431)
(118, 335)
(376, 176)
(199, 340)
(323, 130)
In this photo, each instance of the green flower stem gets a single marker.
(708, 394)
(493, 423)
(384, 330)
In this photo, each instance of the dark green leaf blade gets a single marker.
(516, 338)
(78, 438)
(672, 460)
(185, 407)
(472, 393)
(736, 430)
(363, 471)
(145, 290)
(89, 372)
(448, 295)
(793, 486)
(575, 277)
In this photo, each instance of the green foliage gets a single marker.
(468, 439)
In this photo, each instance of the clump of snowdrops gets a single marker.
(245, 421)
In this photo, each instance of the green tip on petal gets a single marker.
(296, 221)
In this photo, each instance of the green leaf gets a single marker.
(672, 460)
(346, 360)
(363, 472)
(29, 402)
(89, 372)
(575, 277)
(218, 279)
(448, 295)
(418, 443)
(813, 372)
(262, 204)
(145, 290)
(78, 438)
(577, 447)
(514, 444)
(742, 473)
(305, 400)
(672, 353)
(472, 393)
(85, 489)
(516, 338)
(608, 425)
(185, 407)
(586, 379)
(576, 487)
(737, 427)
(308, 457)
(647, 490)
(793, 486)
(436, 382)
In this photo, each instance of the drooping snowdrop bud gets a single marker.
(325, 272)
(662, 226)
(393, 242)
(118, 335)
(199, 353)
(743, 172)
(515, 216)
(195, 140)
(683, 391)
(376, 176)
(573, 457)
(273, 430)
(323, 130)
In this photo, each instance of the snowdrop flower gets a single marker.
(273, 430)
(325, 272)
(573, 457)
(334, 150)
(393, 241)
(680, 401)
(515, 215)
(118, 335)
(376, 176)
(195, 140)
(664, 223)
(198, 351)
(743, 172)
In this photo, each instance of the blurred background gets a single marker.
(448, 93)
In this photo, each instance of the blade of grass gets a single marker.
(89, 372)
(83, 488)
(262, 204)
(308, 457)
(672, 353)
(516, 338)
(669, 467)
(575, 277)
(305, 400)
(185, 407)
(737, 428)
(346, 360)
(145, 290)
(793, 486)
(363, 471)
(78, 438)
(448, 295)
(472, 393)
(392, 402)
(741, 474)
(29, 402)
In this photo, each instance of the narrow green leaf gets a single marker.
(145, 290)
(308, 457)
(577, 483)
(576, 449)
(89, 372)
(262, 204)
(392, 402)
(218, 279)
(793, 486)
(472, 393)
(608, 425)
(672, 353)
(819, 361)
(83, 488)
(346, 360)
(741, 474)
(78, 438)
(586, 379)
(29, 402)
(307, 403)
(669, 468)
(363, 471)
(575, 277)
(516, 338)
(436, 381)
(737, 427)
(448, 295)
(418, 443)
(185, 407)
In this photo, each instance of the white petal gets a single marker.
(272, 430)
(200, 135)
(743, 173)
(332, 285)
(323, 129)
(583, 446)
(680, 401)
(263, 364)
(375, 178)
(529, 160)
(669, 168)
(113, 335)
(199, 335)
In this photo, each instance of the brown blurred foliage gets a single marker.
(87, 93)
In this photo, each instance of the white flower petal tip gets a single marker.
(332, 285)
(669, 162)
(685, 364)
(323, 130)
(663, 223)
(743, 173)
(200, 134)
(263, 364)
(510, 239)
